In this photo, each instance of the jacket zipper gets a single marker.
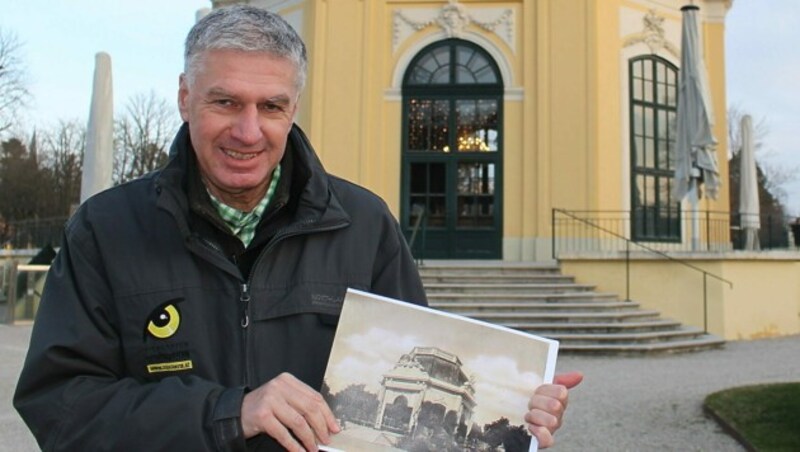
(244, 297)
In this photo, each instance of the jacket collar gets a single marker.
(317, 206)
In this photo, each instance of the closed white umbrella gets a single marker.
(98, 160)
(695, 160)
(748, 187)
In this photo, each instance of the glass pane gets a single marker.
(637, 69)
(427, 125)
(486, 75)
(649, 153)
(475, 194)
(638, 119)
(638, 192)
(432, 68)
(417, 207)
(441, 76)
(671, 141)
(661, 95)
(464, 55)
(419, 176)
(442, 55)
(637, 89)
(663, 149)
(438, 180)
(649, 126)
(476, 122)
(476, 178)
(661, 71)
(672, 96)
(464, 75)
(648, 91)
(649, 190)
(436, 211)
(638, 151)
(467, 211)
(473, 67)
(648, 70)
(486, 212)
(663, 193)
(420, 76)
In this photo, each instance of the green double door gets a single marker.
(454, 203)
(451, 206)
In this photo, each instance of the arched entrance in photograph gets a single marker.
(452, 152)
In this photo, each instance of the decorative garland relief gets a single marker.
(652, 35)
(453, 18)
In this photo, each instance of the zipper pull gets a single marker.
(245, 299)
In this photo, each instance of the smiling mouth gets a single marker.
(239, 155)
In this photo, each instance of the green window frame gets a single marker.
(655, 214)
(452, 149)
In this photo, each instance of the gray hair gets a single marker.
(249, 29)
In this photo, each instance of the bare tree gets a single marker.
(61, 155)
(142, 136)
(13, 90)
(20, 181)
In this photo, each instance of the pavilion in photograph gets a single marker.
(428, 386)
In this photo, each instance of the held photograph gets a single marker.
(407, 378)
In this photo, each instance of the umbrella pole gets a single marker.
(693, 200)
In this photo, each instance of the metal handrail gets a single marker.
(628, 242)
(419, 211)
(11, 301)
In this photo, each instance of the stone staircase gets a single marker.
(537, 298)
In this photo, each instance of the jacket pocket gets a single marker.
(324, 299)
(156, 334)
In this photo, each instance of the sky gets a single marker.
(145, 38)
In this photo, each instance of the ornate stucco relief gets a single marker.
(652, 34)
(453, 18)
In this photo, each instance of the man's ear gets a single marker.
(183, 94)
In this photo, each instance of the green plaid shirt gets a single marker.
(243, 224)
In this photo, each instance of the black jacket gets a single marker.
(148, 332)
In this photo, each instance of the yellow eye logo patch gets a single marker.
(164, 321)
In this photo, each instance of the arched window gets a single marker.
(452, 143)
(655, 214)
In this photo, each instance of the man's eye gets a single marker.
(224, 102)
(272, 108)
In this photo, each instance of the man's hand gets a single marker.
(547, 405)
(285, 406)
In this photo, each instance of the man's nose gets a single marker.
(246, 128)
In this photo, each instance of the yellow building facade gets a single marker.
(481, 117)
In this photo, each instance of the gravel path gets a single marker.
(655, 402)
(624, 403)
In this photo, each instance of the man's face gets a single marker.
(240, 108)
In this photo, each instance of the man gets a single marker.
(194, 309)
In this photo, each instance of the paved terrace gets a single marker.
(624, 404)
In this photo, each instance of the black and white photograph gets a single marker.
(405, 378)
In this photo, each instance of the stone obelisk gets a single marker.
(98, 160)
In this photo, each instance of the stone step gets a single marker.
(464, 308)
(435, 297)
(498, 279)
(678, 334)
(562, 317)
(547, 328)
(537, 298)
(499, 288)
(705, 342)
(431, 268)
